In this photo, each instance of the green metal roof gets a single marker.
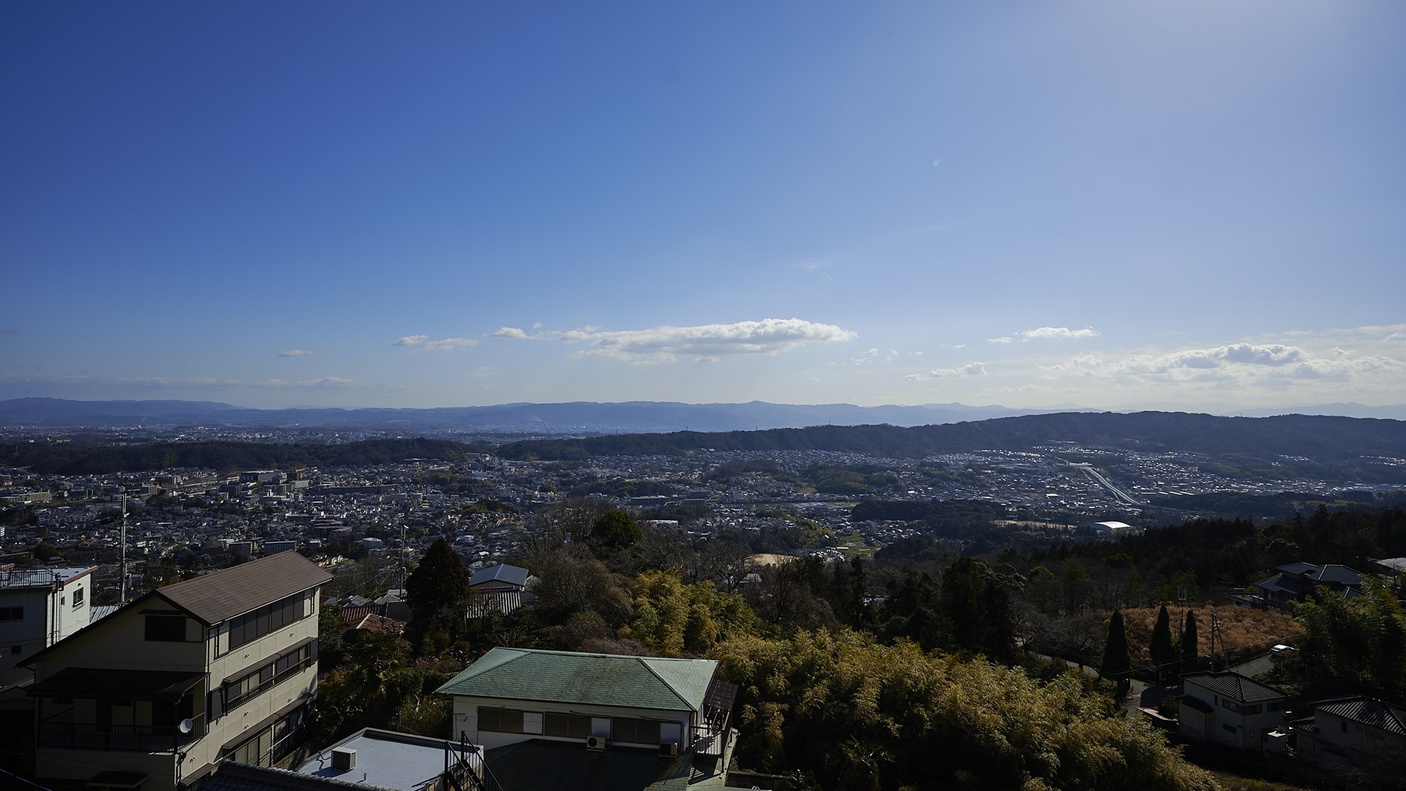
(586, 679)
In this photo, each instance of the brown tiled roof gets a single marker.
(221, 595)
(379, 624)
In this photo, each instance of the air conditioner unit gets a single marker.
(343, 760)
(669, 750)
(596, 743)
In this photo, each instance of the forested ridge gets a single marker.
(1317, 437)
(82, 458)
(912, 668)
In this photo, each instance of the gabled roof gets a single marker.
(513, 575)
(586, 679)
(221, 595)
(1234, 686)
(1368, 711)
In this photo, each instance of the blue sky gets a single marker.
(1193, 206)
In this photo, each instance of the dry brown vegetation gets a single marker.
(1246, 631)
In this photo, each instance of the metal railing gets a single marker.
(61, 732)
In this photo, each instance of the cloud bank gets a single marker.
(704, 342)
(1049, 333)
(442, 345)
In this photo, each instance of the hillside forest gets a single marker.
(913, 668)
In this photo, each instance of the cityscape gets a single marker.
(643, 396)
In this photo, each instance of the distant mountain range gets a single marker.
(569, 418)
(575, 418)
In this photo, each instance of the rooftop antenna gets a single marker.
(122, 585)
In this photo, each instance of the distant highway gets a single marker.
(1107, 484)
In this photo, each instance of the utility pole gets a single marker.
(1216, 634)
(122, 584)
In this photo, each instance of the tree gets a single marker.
(1076, 585)
(865, 715)
(615, 529)
(672, 618)
(438, 592)
(1355, 645)
(1042, 589)
(978, 609)
(574, 581)
(1190, 652)
(1117, 660)
(1162, 649)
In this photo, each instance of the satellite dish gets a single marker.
(186, 726)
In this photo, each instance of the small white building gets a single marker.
(512, 695)
(39, 607)
(1231, 709)
(1350, 730)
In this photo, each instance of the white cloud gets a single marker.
(325, 383)
(1047, 333)
(970, 369)
(705, 342)
(1002, 339)
(449, 344)
(295, 353)
(510, 332)
(1248, 368)
(441, 345)
(1236, 354)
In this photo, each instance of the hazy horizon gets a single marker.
(1082, 205)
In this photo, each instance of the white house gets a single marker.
(1351, 729)
(592, 722)
(512, 695)
(39, 607)
(1228, 708)
(151, 697)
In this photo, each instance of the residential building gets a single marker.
(39, 607)
(1351, 730)
(1228, 708)
(149, 698)
(1297, 581)
(497, 590)
(557, 719)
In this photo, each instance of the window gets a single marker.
(12, 613)
(77, 598)
(1230, 727)
(634, 731)
(499, 720)
(238, 691)
(15, 649)
(257, 623)
(165, 628)
(569, 726)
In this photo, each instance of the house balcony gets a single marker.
(61, 733)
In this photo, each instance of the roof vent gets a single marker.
(343, 760)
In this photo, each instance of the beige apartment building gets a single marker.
(151, 697)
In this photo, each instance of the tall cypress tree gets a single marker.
(1117, 661)
(1163, 649)
(1189, 649)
